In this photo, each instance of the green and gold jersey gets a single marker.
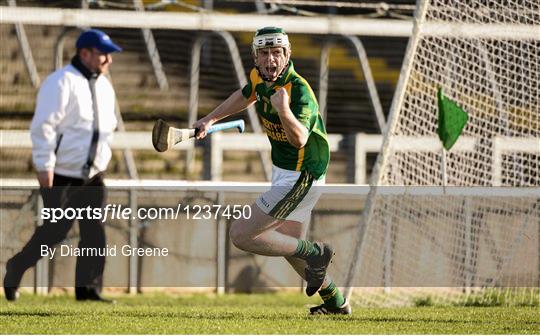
(315, 155)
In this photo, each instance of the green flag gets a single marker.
(452, 120)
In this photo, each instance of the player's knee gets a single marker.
(238, 235)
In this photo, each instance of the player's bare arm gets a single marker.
(232, 105)
(297, 134)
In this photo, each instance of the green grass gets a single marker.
(249, 314)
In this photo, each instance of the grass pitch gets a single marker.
(249, 314)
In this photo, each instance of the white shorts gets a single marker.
(293, 195)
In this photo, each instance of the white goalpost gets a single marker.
(412, 248)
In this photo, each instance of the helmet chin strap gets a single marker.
(266, 79)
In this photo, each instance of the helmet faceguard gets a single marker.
(271, 37)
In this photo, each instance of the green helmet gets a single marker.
(269, 37)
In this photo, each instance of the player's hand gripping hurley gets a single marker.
(165, 136)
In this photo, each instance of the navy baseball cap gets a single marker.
(95, 38)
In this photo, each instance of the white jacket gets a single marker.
(62, 125)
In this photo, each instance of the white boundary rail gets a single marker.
(364, 144)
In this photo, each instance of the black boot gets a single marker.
(12, 281)
(90, 294)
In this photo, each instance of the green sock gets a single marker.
(306, 249)
(331, 296)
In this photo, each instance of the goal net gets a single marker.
(425, 247)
